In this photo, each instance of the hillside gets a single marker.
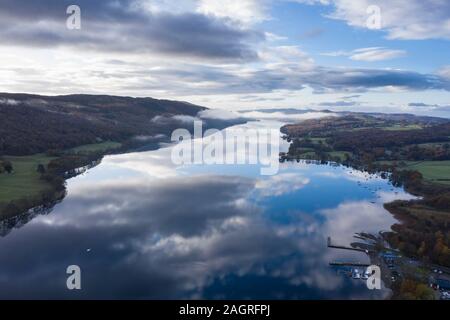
(31, 124)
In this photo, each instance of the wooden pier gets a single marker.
(330, 245)
(348, 264)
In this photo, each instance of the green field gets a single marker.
(309, 155)
(403, 128)
(339, 154)
(95, 147)
(391, 128)
(434, 171)
(24, 181)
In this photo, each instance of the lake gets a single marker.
(141, 227)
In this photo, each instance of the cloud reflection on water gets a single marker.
(155, 232)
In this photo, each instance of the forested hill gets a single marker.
(31, 124)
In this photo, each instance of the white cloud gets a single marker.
(444, 72)
(369, 54)
(401, 19)
(208, 52)
(285, 117)
(219, 114)
(10, 102)
(245, 11)
(376, 54)
(287, 55)
(281, 184)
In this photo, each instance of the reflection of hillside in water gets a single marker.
(19, 221)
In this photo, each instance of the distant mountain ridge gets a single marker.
(34, 123)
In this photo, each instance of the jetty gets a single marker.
(334, 246)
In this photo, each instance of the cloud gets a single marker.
(219, 114)
(192, 49)
(281, 184)
(401, 19)
(369, 54)
(341, 222)
(165, 78)
(177, 239)
(245, 11)
(352, 96)
(284, 115)
(434, 107)
(419, 104)
(194, 79)
(126, 27)
(338, 104)
(257, 98)
(376, 54)
(444, 72)
(10, 102)
(363, 79)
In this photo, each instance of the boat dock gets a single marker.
(330, 245)
(348, 264)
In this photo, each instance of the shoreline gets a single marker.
(64, 165)
(420, 232)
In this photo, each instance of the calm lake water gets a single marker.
(142, 228)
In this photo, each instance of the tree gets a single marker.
(423, 292)
(7, 165)
(41, 168)
(422, 250)
(412, 290)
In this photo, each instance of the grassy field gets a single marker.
(339, 154)
(309, 155)
(24, 181)
(95, 147)
(391, 128)
(402, 128)
(434, 171)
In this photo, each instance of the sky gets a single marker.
(365, 55)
